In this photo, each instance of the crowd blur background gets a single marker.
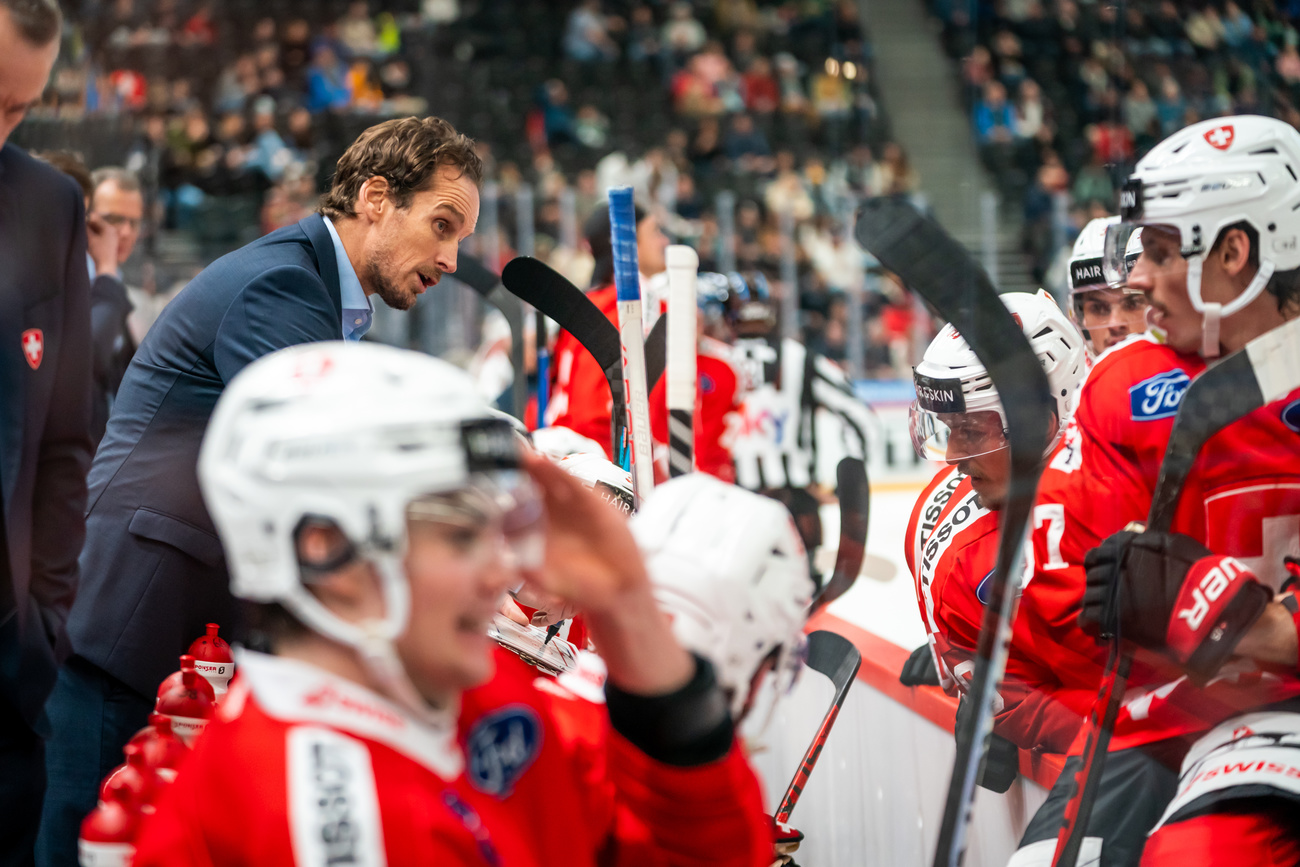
(752, 127)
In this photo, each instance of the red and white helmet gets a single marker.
(1205, 178)
(728, 566)
(951, 381)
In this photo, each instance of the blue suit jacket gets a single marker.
(152, 570)
(45, 443)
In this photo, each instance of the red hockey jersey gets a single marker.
(307, 768)
(717, 398)
(1242, 498)
(579, 396)
(952, 551)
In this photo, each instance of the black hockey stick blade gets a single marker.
(935, 266)
(487, 284)
(656, 353)
(835, 656)
(855, 512)
(550, 292)
(1267, 368)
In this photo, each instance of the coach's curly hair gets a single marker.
(407, 152)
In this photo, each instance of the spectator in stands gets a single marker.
(587, 36)
(895, 175)
(1237, 26)
(1170, 107)
(1032, 123)
(693, 93)
(1205, 30)
(747, 147)
(831, 101)
(118, 200)
(644, 47)
(268, 153)
(1139, 110)
(759, 88)
(683, 35)
(788, 192)
(994, 119)
(356, 31)
(327, 81)
(794, 98)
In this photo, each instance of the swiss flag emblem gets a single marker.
(1220, 137)
(34, 346)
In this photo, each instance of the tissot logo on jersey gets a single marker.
(501, 747)
(334, 811)
(1158, 397)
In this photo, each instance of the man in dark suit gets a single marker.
(404, 195)
(44, 419)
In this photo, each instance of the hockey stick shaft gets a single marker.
(627, 283)
(1265, 370)
(683, 264)
(854, 492)
(834, 656)
(543, 367)
(935, 266)
(554, 296)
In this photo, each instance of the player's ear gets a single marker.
(1234, 251)
(373, 197)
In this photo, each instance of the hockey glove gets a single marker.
(1002, 762)
(919, 669)
(1167, 592)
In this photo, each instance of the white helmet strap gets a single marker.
(1213, 313)
(373, 640)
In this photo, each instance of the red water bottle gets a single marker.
(188, 699)
(108, 833)
(213, 659)
(133, 777)
(161, 748)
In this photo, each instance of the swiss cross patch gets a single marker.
(33, 342)
(1220, 137)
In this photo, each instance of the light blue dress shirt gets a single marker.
(357, 311)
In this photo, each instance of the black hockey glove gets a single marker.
(1167, 592)
(1003, 760)
(919, 668)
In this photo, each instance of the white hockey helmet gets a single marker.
(952, 384)
(1205, 178)
(556, 442)
(358, 435)
(610, 481)
(729, 568)
(1095, 303)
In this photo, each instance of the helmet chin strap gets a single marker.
(373, 640)
(1213, 313)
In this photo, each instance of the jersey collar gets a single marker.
(297, 692)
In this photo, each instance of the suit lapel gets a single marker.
(314, 228)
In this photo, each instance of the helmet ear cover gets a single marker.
(342, 553)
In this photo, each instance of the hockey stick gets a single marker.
(656, 353)
(627, 282)
(543, 350)
(487, 284)
(1266, 369)
(683, 264)
(932, 264)
(855, 511)
(834, 656)
(541, 286)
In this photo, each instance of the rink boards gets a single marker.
(877, 794)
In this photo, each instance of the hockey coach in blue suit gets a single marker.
(403, 197)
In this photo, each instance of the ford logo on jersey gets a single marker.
(1159, 396)
(982, 591)
(501, 746)
(1291, 415)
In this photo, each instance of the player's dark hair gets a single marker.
(1284, 286)
(39, 22)
(266, 624)
(407, 152)
(596, 232)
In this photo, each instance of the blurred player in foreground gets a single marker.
(376, 588)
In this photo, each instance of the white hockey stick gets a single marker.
(683, 264)
(627, 283)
